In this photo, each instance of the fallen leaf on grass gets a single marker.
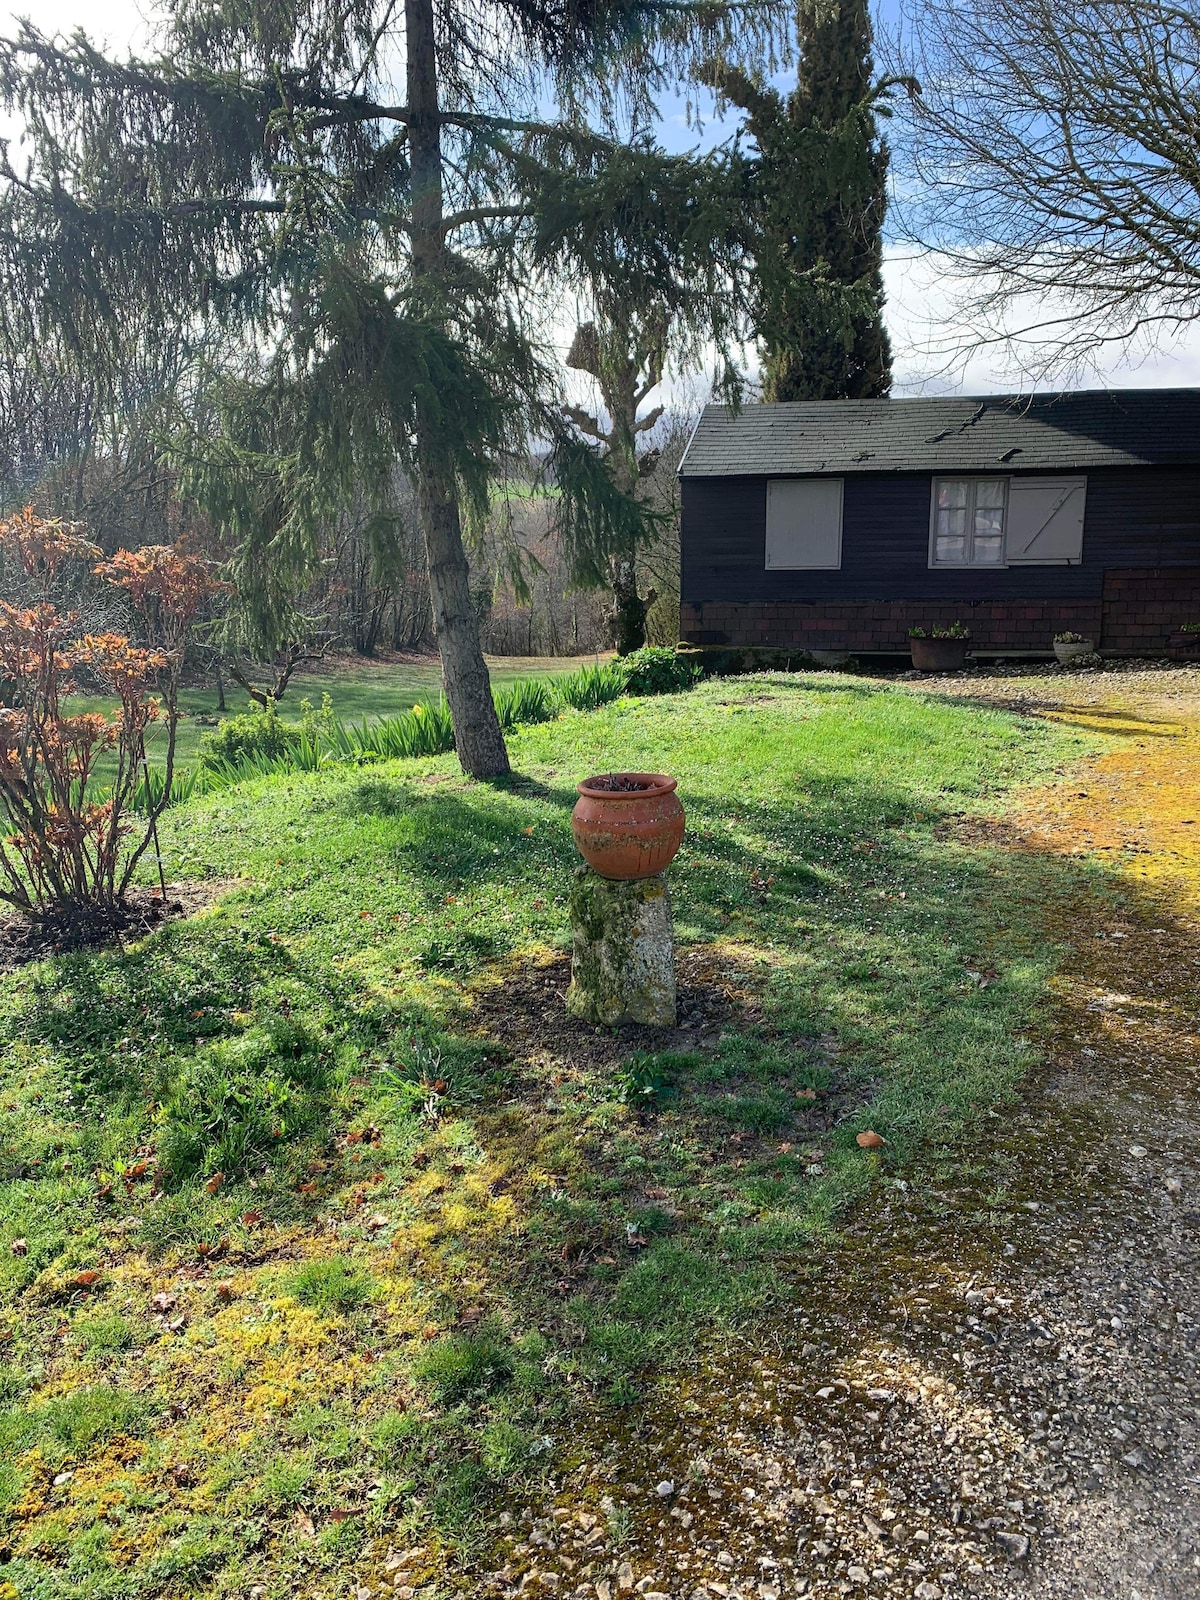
(215, 1182)
(657, 1194)
(342, 1514)
(85, 1280)
(19, 1247)
(251, 1217)
(806, 1094)
(225, 1291)
(304, 1525)
(163, 1301)
(870, 1140)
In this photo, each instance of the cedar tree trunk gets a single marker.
(477, 736)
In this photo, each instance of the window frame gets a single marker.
(971, 478)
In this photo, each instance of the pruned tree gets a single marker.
(356, 261)
(1053, 160)
(655, 248)
(625, 357)
(816, 199)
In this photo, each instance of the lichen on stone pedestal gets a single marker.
(623, 966)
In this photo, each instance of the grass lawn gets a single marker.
(358, 688)
(323, 1231)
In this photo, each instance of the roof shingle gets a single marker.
(1056, 432)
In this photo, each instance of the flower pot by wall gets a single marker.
(938, 655)
(628, 824)
(1071, 652)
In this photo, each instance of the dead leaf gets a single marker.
(657, 1194)
(870, 1140)
(304, 1525)
(373, 1224)
(806, 1094)
(343, 1513)
(19, 1247)
(163, 1301)
(215, 1182)
(430, 1331)
(85, 1280)
(225, 1291)
(251, 1217)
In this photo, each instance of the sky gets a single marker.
(921, 313)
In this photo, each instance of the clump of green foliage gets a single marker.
(655, 669)
(332, 1284)
(250, 736)
(237, 1099)
(956, 630)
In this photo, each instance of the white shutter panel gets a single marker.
(1045, 521)
(804, 522)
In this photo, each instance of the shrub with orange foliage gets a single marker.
(71, 851)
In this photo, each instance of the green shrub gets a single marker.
(254, 735)
(656, 670)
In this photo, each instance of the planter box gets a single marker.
(1071, 652)
(938, 655)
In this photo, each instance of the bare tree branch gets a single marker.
(1054, 156)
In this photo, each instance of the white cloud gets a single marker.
(933, 354)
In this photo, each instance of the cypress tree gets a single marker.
(817, 198)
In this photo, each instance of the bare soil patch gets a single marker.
(23, 940)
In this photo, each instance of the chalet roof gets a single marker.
(1013, 433)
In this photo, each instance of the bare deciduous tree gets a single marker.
(1053, 156)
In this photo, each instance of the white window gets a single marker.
(1045, 521)
(804, 522)
(968, 522)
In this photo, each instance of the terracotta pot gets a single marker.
(938, 655)
(628, 833)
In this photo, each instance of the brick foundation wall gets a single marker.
(884, 624)
(1143, 604)
(1139, 608)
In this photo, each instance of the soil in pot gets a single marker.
(628, 824)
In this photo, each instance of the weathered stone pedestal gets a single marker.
(623, 967)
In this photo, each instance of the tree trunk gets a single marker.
(629, 613)
(477, 736)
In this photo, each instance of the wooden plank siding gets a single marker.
(1136, 517)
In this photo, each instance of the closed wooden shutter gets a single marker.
(1045, 521)
(804, 522)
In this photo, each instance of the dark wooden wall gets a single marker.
(1135, 517)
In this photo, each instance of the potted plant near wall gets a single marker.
(1069, 647)
(939, 649)
(1184, 642)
